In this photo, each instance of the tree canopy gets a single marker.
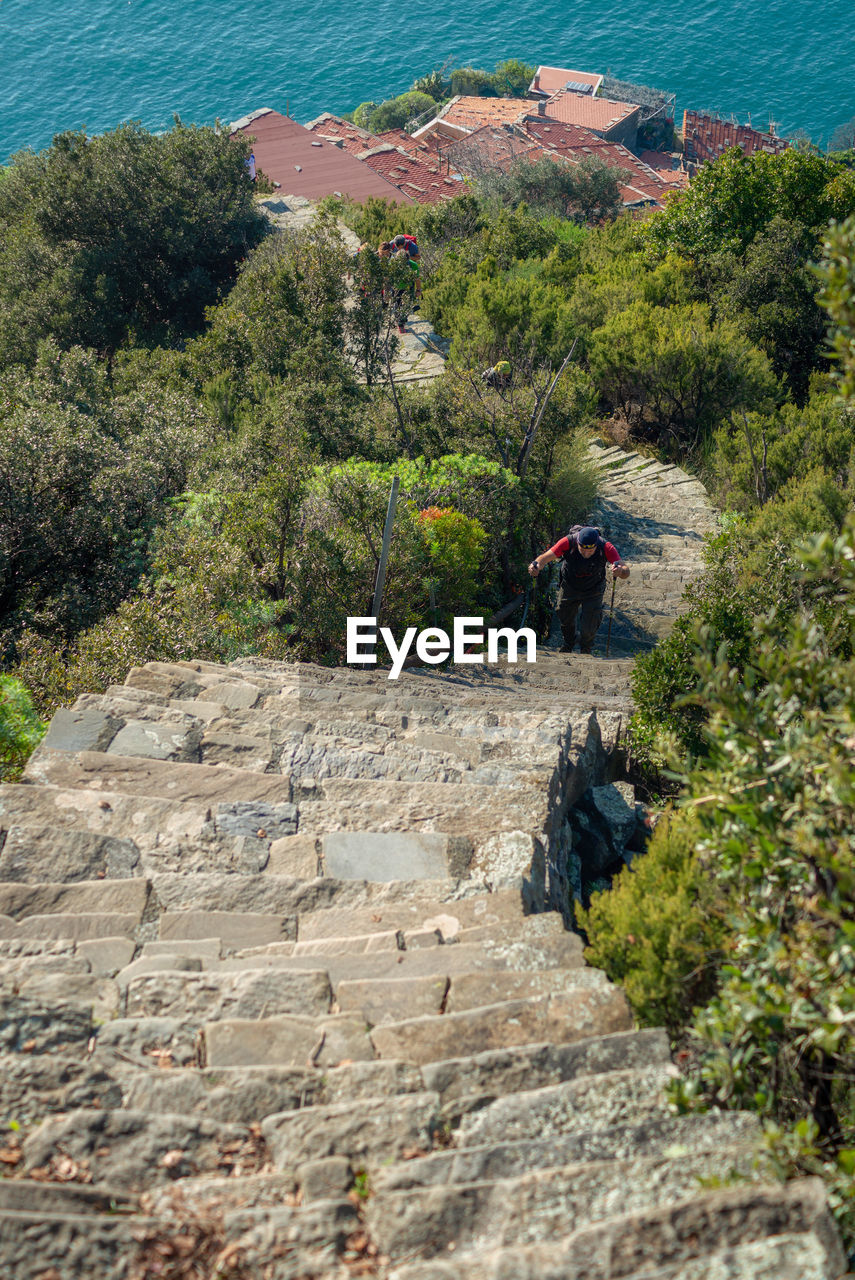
(121, 239)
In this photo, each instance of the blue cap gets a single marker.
(588, 537)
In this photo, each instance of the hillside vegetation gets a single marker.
(197, 437)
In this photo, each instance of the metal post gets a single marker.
(384, 551)
(611, 615)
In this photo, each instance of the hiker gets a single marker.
(410, 243)
(405, 270)
(498, 377)
(251, 170)
(584, 554)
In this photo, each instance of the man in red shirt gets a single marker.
(584, 555)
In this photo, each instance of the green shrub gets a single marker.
(658, 931)
(20, 727)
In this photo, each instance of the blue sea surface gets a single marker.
(93, 64)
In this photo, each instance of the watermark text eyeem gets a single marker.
(434, 645)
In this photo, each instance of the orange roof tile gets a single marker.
(471, 113)
(492, 147)
(416, 180)
(353, 139)
(669, 170)
(705, 138)
(575, 142)
(550, 79)
(599, 114)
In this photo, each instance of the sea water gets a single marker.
(93, 63)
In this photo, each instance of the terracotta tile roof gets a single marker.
(599, 114)
(305, 165)
(574, 142)
(549, 80)
(667, 168)
(353, 139)
(705, 138)
(492, 147)
(408, 174)
(471, 113)
(425, 149)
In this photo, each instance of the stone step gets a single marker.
(312, 1239)
(420, 961)
(131, 1150)
(522, 1069)
(379, 1129)
(537, 1205)
(573, 1014)
(732, 1233)
(581, 1105)
(209, 996)
(245, 1095)
(669, 1136)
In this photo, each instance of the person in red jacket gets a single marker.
(585, 556)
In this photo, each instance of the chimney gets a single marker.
(541, 107)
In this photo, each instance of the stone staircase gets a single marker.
(288, 991)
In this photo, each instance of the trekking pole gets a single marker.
(611, 615)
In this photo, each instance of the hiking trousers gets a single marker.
(588, 607)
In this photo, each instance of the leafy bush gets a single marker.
(455, 544)
(20, 727)
(775, 800)
(659, 930)
(675, 374)
(122, 238)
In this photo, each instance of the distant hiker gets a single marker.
(499, 376)
(385, 251)
(408, 242)
(250, 167)
(584, 554)
(405, 274)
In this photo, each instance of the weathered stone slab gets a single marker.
(237, 750)
(366, 944)
(471, 990)
(376, 855)
(74, 926)
(559, 1018)
(154, 1043)
(296, 856)
(234, 694)
(34, 1026)
(167, 739)
(537, 1205)
(157, 779)
(206, 949)
(106, 956)
(243, 1095)
(166, 962)
(92, 896)
(392, 999)
(415, 913)
(258, 819)
(287, 1041)
(233, 928)
(77, 730)
(39, 853)
(253, 994)
(378, 1129)
(66, 1246)
(133, 1149)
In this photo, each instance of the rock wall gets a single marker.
(286, 994)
